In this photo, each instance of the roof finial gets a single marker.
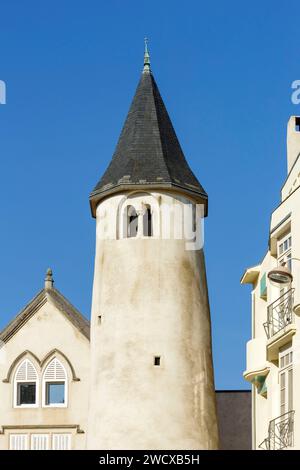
(49, 279)
(146, 57)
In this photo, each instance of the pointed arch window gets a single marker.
(147, 222)
(55, 385)
(132, 222)
(26, 385)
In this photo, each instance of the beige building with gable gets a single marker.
(44, 374)
(273, 353)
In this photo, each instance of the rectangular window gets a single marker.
(55, 393)
(286, 379)
(26, 393)
(297, 124)
(263, 287)
(61, 441)
(287, 360)
(39, 441)
(18, 441)
(157, 360)
(290, 389)
(281, 362)
(284, 251)
(147, 223)
(288, 261)
(55, 441)
(282, 393)
(284, 244)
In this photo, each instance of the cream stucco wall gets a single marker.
(149, 299)
(47, 330)
(261, 350)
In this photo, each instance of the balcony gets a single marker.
(280, 433)
(280, 326)
(280, 314)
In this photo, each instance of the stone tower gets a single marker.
(152, 384)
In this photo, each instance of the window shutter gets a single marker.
(31, 372)
(26, 372)
(61, 441)
(39, 442)
(55, 371)
(18, 441)
(21, 374)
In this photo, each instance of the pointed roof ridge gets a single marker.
(148, 154)
(59, 300)
(71, 312)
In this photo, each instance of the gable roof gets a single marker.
(148, 153)
(62, 304)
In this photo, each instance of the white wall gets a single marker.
(48, 329)
(151, 295)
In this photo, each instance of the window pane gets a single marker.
(55, 393)
(287, 359)
(132, 222)
(290, 390)
(289, 261)
(147, 223)
(26, 394)
(282, 393)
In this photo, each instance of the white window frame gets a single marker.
(67, 435)
(47, 381)
(285, 255)
(39, 435)
(13, 436)
(28, 440)
(16, 382)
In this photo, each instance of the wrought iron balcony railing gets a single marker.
(280, 313)
(281, 433)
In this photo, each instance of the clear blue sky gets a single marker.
(224, 70)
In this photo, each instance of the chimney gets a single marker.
(293, 141)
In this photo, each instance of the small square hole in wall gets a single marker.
(157, 360)
(297, 124)
(99, 319)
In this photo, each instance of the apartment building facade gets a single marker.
(273, 352)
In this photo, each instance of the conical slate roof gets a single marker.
(148, 154)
